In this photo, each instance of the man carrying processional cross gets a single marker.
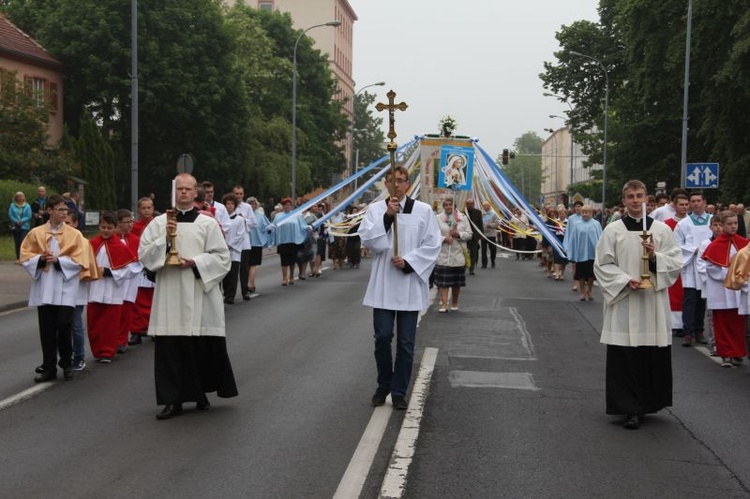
(404, 238)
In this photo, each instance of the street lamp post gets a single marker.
(604, 147)
(557, 153)
(294, 106)
(685, 93)
(351, 128)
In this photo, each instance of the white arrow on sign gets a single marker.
(695, 177)
(709, 176)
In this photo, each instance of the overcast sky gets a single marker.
(476, 60)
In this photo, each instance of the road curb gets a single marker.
(7, 307)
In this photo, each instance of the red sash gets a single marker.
(119, 254)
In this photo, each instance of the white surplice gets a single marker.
(689, 237)
(50, 286)
(185, 305)
(419, 242)
(636, 317)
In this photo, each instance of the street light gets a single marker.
(351, 128)
(557, 155)
(294, 106)
(606, 109)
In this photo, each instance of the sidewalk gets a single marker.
(14, 286)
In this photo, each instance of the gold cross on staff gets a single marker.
(392, 107)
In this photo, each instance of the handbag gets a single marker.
(14, 228)
(467, 256)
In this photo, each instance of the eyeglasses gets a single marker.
(401, 180)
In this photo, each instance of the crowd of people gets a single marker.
(698, 260)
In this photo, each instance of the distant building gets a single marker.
(36, 69)
(562, 165)
(336, 42)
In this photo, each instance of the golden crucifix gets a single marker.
(392, 107)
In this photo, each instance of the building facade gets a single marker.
(39, 73)
(562, 165)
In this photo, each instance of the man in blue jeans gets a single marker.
(398, 287)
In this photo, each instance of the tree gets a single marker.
(98, 166)
(368, 135)
(642, 45)
(525, 169)
(24, 153)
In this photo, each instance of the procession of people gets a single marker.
(697, 278)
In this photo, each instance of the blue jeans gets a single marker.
(394, 378)
(79, 341)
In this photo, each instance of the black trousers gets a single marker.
(492, 248)
(244, 272)
(230, 282)
(473, 246)
(55, 322)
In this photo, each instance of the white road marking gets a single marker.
(359, 467)
(25, 395)
(395, 478)
(707, 353)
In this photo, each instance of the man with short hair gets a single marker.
(39, 207)
(681, 205)
(218, 210)
(145, 295)
(57, 257)
(636, 326)
(490, 224)
(690, 233)
(398, 286)
(248, 215)
(187, 319)
(666, 211)
(477, 229)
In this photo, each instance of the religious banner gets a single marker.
(456, 167)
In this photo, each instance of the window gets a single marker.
(266, 5)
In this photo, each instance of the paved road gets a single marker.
(514, 409)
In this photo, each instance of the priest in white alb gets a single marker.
(187, 316)
(398, 287)
(637, 326)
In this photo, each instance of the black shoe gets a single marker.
(203, 406)
(39, 369)
(493, 265)
(471, 272)
(379, 398)
(246, 297)
(45, 376)
(135, 339)
(170, 411)
(121, 349)
(228, 301)
(68, 373)
(632, 422)
(399, 402)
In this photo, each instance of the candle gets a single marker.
(643, 214)
(174, 194)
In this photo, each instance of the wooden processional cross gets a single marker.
(392, 107)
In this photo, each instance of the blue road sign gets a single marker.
(702, 176)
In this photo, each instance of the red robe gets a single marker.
(140, 313)
(100, 317)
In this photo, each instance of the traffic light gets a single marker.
(506, 155)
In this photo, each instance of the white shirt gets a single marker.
(419, 242)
